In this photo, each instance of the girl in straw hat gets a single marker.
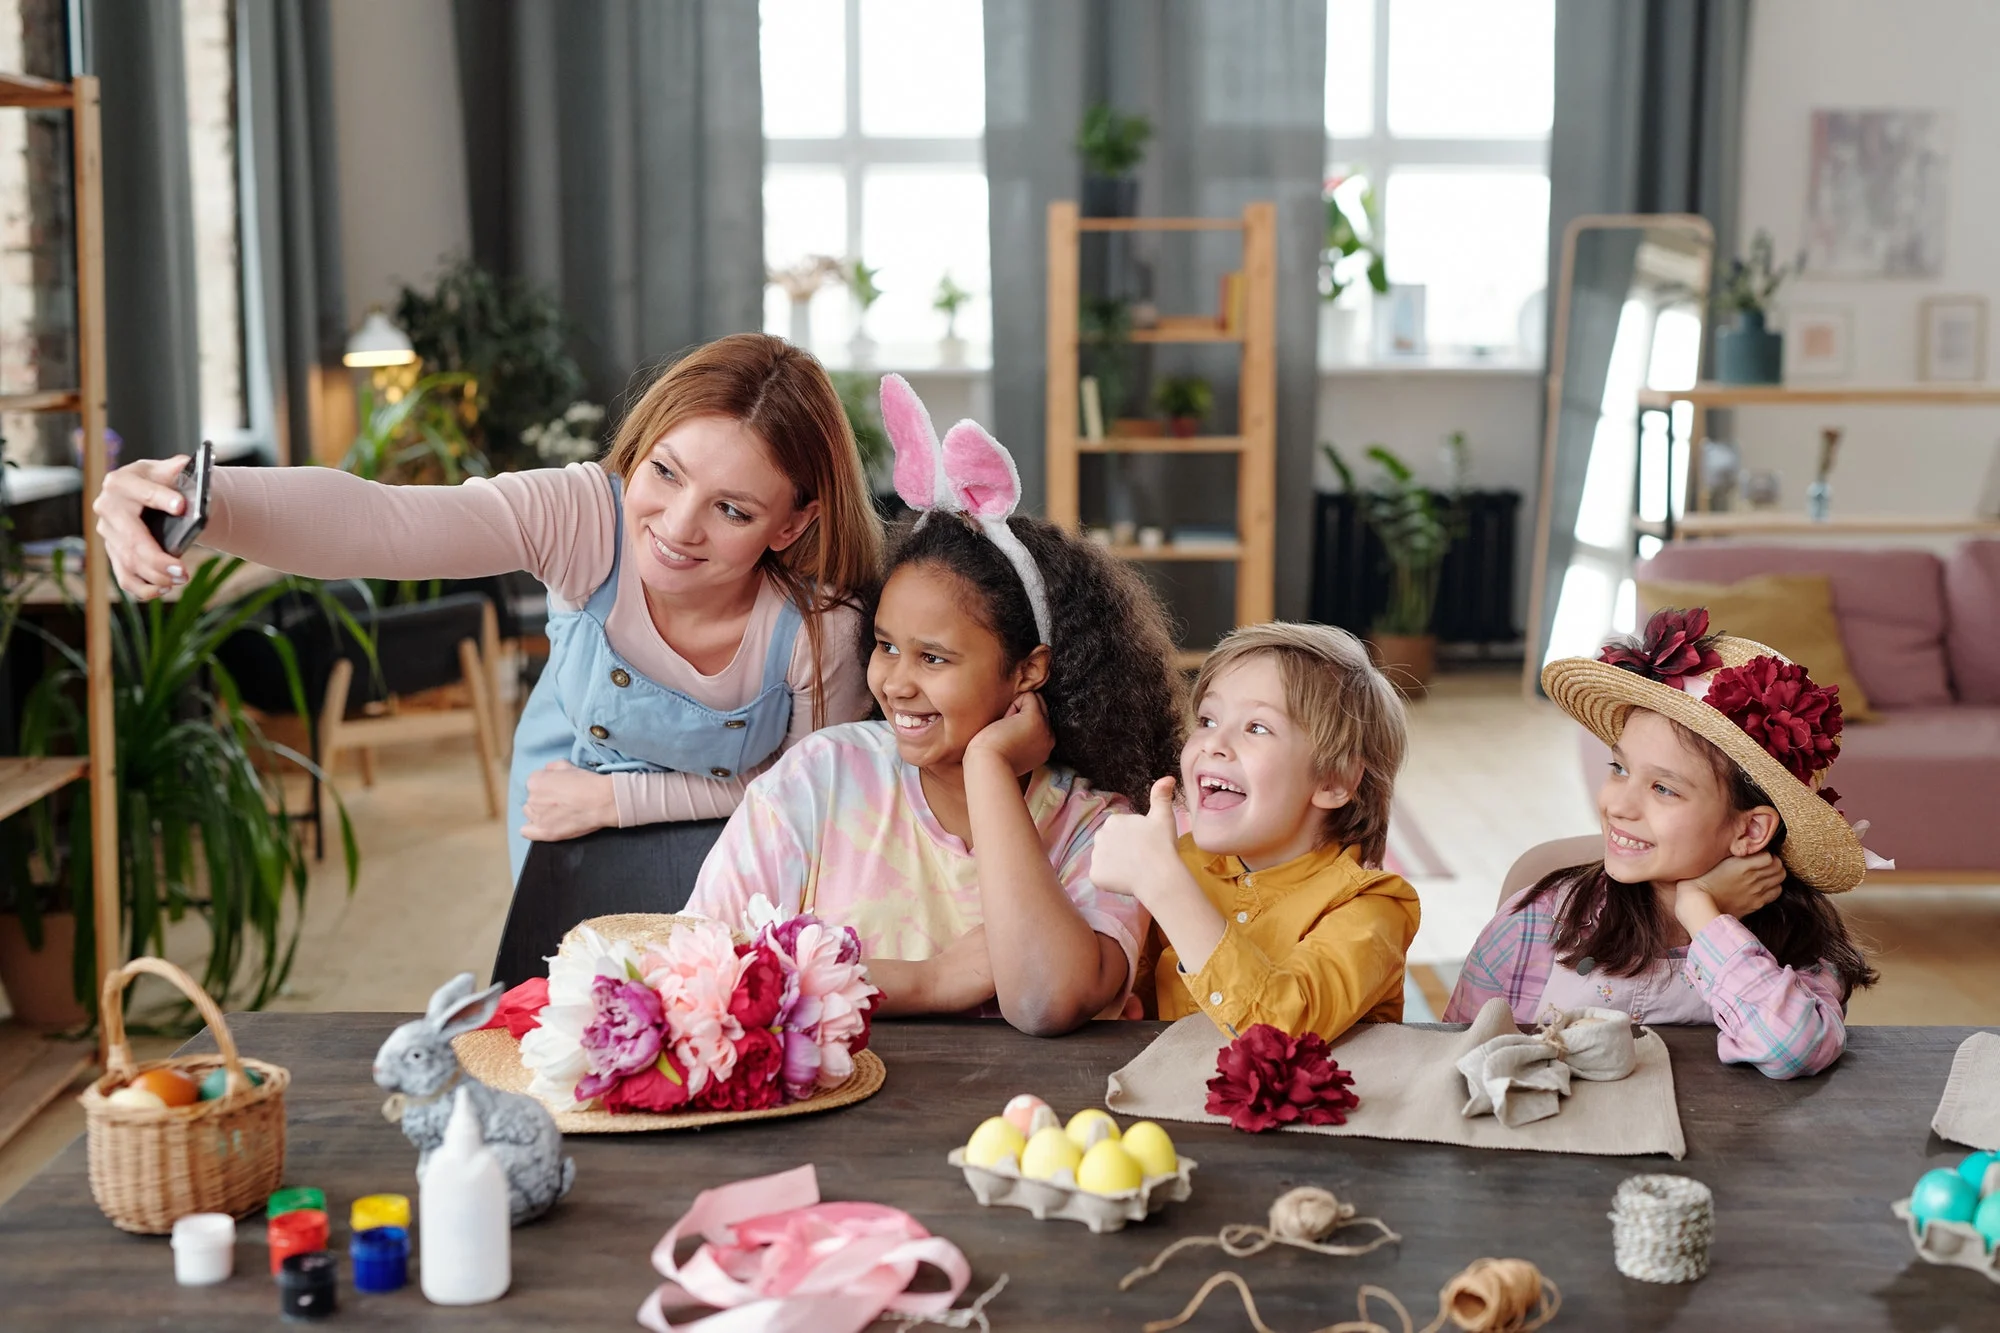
(1721, 843)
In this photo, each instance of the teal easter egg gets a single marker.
(1974, 1167)
(216, 1081)
(1987, 1220)
(1943, 1196)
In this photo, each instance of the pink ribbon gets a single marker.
(777, 1260)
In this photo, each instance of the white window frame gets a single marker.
(852, 153)
(1377, 153)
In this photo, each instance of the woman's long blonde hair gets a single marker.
(782, 395)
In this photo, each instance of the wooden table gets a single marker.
(1803, 1174)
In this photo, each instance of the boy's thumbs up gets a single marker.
(1160, 810)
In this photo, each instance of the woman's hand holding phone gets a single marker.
(138, 563)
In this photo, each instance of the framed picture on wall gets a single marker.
(1952, 338)
(1819, 343)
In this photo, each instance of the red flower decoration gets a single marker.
(760, 1058)
(762, 989)
(1830, 796)
(1264, 1079)
(1676, 645)
(659, 1088)
(1795, 721)
(520, 1010)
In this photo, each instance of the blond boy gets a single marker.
(1273, 905)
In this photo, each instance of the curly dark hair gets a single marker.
(1114, 697)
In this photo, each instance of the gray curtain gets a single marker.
(1648, 112)
(150, 350)
(1648, 119)
(294, 207)
(1235, 90)
(615, 156)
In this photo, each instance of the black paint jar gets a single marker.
(306, 1287)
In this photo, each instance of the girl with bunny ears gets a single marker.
(1027, 689)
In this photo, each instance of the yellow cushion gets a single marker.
(1793, 613)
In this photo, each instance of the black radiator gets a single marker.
(1475, 603)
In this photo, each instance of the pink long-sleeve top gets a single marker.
(561, 526)
(1788, 1022)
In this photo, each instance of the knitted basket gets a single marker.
(150, 1166)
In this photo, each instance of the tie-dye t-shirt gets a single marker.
(839, 827)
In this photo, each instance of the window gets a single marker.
(208, 33)
(874, 125)
(1444, 106)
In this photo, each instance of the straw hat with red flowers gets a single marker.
(1746, 699)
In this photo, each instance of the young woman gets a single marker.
(702, 582)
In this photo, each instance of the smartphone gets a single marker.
(176, 532)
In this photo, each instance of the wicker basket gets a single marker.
(148, 1166)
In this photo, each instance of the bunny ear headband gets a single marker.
(968, 473)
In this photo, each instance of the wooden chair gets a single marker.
(410, 643)
(1546, 857)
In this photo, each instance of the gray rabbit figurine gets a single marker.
(419, 1067)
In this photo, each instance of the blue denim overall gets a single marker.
(596, 710)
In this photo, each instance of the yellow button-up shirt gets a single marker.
(1314, 945)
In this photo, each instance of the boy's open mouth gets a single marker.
(911, 725)
(1624, 844)
(1213, 793)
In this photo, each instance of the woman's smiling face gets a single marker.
(939, 673)
(705, 505)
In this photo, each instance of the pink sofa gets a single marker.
(1923, 637)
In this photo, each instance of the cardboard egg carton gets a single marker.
(1950, 1243)
(1060, 1196)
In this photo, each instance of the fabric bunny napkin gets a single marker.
(1411, 1088)
(1521, 1077)
(1969, 1111)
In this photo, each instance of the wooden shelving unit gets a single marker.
(1254, 443)
(1706, 395)
(32, 1071)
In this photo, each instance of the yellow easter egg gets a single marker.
(1089, 1125)
(1108, 1169)
(1048, 1152)
(1151, 1149)
(994, 1139)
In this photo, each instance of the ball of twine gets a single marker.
(1308, 1213)
(1661, 1227)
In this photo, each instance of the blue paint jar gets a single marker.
(381, 1258)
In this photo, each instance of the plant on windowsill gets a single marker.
(1185, 401)
(1111, 146)
(950, 298)
(860, 399)
(202, 823)
(1748, 351)
(1416, 528)
(511, 338)
(860, 280)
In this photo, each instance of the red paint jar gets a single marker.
(298, 1232)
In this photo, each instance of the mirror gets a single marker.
(1630, 314)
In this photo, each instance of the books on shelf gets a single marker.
(1093, 409)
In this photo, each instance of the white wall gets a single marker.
(1412, 411)
(1847, 54)
(403, 200)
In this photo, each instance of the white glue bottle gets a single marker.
(465, 1223)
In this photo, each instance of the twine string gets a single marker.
(1490, 1296)
(1301, 1218)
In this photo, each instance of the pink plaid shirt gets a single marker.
(1788, 1023)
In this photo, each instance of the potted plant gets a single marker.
(202, 822)
(1747, 351)
(1111, 146)
(1184, 400)
(1416, 527)
(860, 280)
(800, 283)
(1351, 251)
(950, 297)
(860, 399)
(511, 338)
(417, 437)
